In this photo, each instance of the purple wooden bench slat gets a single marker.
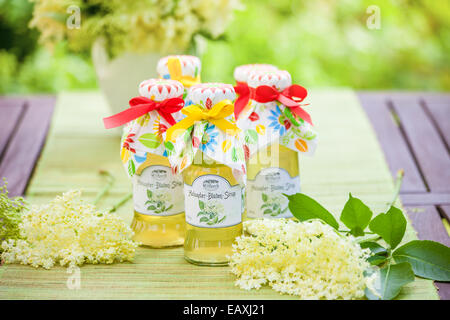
(10, 111)
(425, 199)
(25, 145)
(426, 143)
(440, 111)
(427, 222)
(392, 142)
(446, 211)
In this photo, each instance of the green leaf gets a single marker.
(428, 259)
(376, 260)
(251, 136)
(306, 208)
(264, 197)
(390, 226)
(201, 204)
(204, 219)
(374, 247)
(391, 280)
(151, 208)
(356, 216)
(131, 168)
(150, 140)
(214, 221)
(149, 194)
(267, 211)
(169, 146)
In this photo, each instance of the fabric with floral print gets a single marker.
(269, 122)
(146, 134)
(207, 137)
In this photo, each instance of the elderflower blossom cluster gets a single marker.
(69, 232)
(137, 26)
(308, 259)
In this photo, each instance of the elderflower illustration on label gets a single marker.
(265, 192)
(211, 202)
(155, 192)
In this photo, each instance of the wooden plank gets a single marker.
(440, 112)
(446, 211)
(428, 224)
(392, 141)
(25, 145)
(10, 111)
(426, 143)
(425, 199)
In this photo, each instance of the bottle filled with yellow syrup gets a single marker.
(157, 191)
(207, 147)
(276, 129)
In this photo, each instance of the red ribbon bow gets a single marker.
(290, 97)
(142, 105)
(244, 92)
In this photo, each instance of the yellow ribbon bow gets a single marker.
(216, 115)
(176, 73)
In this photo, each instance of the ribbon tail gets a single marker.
(125, 116)
(168, 117)
(188, 81)
(302, 114)
(287, 101)
(240, 104)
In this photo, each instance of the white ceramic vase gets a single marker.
(119, 78)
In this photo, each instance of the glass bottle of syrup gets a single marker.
(213, 200)
(159, 219)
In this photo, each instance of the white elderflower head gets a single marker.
(308, 259)
(69, 232)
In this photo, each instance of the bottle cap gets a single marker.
(208, 94)
(190, 66)
(160, 89)
(279, 79)
(241, 73)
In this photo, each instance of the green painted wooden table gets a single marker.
(348, 159)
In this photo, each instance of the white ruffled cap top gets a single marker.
(241, 73)
(208, 94)
(279, 79)
(190, 66)
(160, 89)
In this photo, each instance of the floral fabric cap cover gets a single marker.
(265, 123)
(183, 68)
(146, 134)
(206, 136)
(241, 73)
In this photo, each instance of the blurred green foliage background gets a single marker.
(322, 43)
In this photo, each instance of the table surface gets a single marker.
(413, 130)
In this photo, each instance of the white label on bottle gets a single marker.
(265, 197)
(211, 202)
(157, 192)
